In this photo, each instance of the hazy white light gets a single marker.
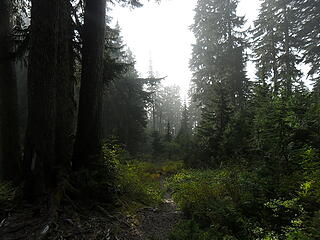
(162, 32)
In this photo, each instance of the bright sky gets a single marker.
(160, 31)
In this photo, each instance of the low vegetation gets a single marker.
(236, 203)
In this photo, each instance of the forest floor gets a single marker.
(154, 223)
(147, 223)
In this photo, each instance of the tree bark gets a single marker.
(65, 119)
(39, 157)
(65, 104)
(51, 110)
(9, 130)
(89, 128)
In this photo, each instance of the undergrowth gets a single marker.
(7, 195)
(132, 183)
(234, 203)
(214, 201)
(140, 182)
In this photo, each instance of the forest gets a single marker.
(89, 149)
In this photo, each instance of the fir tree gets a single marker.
(9, 130)
(218, 64)
(275, 45)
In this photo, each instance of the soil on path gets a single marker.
(149, 223)
(155, 223)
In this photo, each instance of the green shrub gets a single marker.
(171, 167)
(186, 230)
(138, 182)
(298, 215)
(98, 180)
(251, 202)
(217, 200)
(7, 194)
(118, 178)
(190, 230)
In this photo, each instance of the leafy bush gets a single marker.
(305, 220)
(235, 202)
(190, 230)
(138, 182)
(117, 177)
(171, 167)
(187, 230)
(218, 201)
(7, 194)
(98, 180)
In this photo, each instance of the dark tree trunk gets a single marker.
(50, 130)
(40, 145)
(9, 131)
(65, 119)
(89, 129)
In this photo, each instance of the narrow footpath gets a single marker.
(149, 223)
(155, 223)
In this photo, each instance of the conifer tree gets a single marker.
(276, 45)
(184, 136)
(307, 12)
(168, 132)
(124, 114)
(185, 128)
(49, 136)
(89, 129)
(279, 91)
(9, 131)
(218, 64)
(39, 156)
(308, 18)
(169, 106)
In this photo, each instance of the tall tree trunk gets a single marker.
(65, 119)
(50, 130)
(9, 131)
(89, 129)
(40, 145)
(65, 105)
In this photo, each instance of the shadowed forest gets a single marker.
(89, 149)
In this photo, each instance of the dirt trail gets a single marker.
(149, 223)
(155, 223)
